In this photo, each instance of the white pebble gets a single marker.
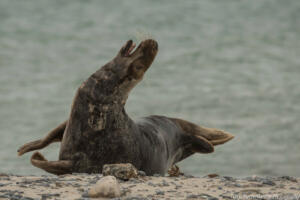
(107, 187)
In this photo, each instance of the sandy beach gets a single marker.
(76, 186)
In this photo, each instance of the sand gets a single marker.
(76, 186)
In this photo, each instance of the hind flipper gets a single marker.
(53, 167)
(55, 135)
(201, 145)
(214, 136)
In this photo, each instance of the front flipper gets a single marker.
(53, 167)
(55, 135)
(204, 136)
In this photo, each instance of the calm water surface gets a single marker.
(233, 65)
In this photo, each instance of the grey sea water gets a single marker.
(233, 65)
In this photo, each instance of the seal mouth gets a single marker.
(128, 49)
(130, 45)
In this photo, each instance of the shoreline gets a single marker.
(76, 186)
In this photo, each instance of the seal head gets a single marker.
(125, 70)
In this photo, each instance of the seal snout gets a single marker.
(147, 47)
(150, 45)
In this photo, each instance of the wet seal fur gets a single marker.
(99, 131)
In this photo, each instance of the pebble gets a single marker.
(224, 196)
(157, 175)
(192, 196)
(201, 196)
(289, 178)
(237, 185)
(151, 184)
(212, 175)
(123, 171)
(165, 183)
(136, 198)
(85, 195)
(177, 187)
(228, 178)
(171, 191)
(212, 198)
(268, 182)
(134, 180)
(141, 173)
(159, 192)
(26, 198)
(107, 187)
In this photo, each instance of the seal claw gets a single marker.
(30, 146)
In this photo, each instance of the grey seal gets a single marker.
(99, 131)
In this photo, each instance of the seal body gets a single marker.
(162, 143)
(99, 131)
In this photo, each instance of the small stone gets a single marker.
(4, 175)
(237, 185)
(229, 178)
(151, 184)
(250, 191)
(134, 180)
(159, 192)
(164, 183)
(289, 178)
(85, 195)
(212, 198)
(107, 187)
(268, 182)
(156, 175)
(224, 196)
(58, 184)
(171, 191)
(189, 176)
(123, 171)
(136, 198)
(192, 196)
(26, 198)
(141, 173)
(125, 191)
(178, 187)
(212, 175)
